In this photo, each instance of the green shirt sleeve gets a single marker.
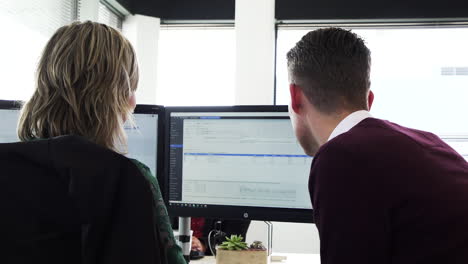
(173, 251)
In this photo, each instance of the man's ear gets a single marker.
(297, 97)
(370, 99)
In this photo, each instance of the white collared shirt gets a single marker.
(349, 122)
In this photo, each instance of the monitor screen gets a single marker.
(9, 114)
(143, 137)
(236, 162)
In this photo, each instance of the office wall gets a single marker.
(143, 33)
(255, 52)
(287, 237)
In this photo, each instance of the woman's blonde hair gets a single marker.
(85, 77)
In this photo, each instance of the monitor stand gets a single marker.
(270, 237)
(185, 237)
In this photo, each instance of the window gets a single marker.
(109, 16)
(419, 76)
(27, 25)
(196, 66)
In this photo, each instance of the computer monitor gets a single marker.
(240, 162)
(145, 142)
(142, 140)
(9, 114)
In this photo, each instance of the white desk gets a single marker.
(291, 259)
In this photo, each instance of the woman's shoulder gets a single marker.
(145, 170)
(140, 165)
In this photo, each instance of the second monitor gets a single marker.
(236, 162)
(145, 140)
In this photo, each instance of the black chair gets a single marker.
(67, 200)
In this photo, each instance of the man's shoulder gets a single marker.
(372, 146)
(373, 131)
(374, 136)
(367, 134)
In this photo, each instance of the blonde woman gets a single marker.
(86, 82)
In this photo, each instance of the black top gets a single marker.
(66, 200)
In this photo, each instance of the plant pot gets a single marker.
(248, 256)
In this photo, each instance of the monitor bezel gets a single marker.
(10, 104)
(160, 149)
(230, 212)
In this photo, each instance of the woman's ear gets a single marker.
(132, 100)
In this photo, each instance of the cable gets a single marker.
(209, 243)
(216, 236)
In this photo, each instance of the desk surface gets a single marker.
(291, 259)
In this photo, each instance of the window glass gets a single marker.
(196, 66)
(27, 25)
(419, 77)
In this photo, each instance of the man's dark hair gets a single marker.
(332, 66)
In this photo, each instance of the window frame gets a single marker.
(120, 15)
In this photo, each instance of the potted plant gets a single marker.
(235, 251)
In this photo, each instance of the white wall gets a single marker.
(287, 237)
(255, 51)
(143, 33)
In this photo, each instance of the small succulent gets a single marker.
(257, 245)
(234, 243)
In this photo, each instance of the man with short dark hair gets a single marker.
(381, 193)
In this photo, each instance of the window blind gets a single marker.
(26, 26)
(44, 16)
(109, 17)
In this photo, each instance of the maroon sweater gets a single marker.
(383, 193)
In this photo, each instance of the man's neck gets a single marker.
(328, 122)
